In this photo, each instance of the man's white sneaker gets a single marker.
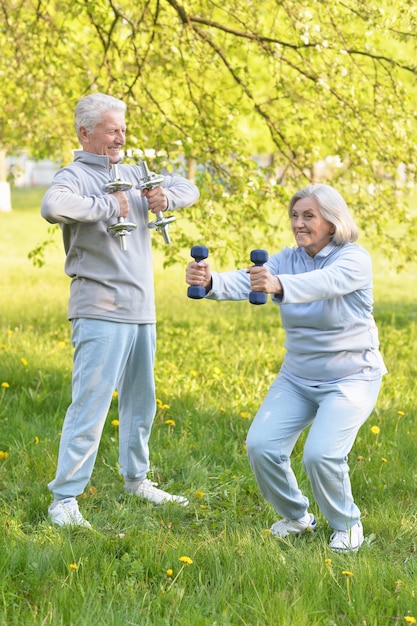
(286, 527)
(347, 540)
(66, 513)
(147, 489)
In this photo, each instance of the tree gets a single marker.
(212, 87)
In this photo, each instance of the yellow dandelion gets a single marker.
(158, 403)
(23, 361)
(360, 458)
(375, 430)
(170, 422)
(217, 371)
(348, 575)
(3, 346)
(384, 460)
(115, 422)
(36, 440)
(165, 407)
(115, 394)
(410, 619)
(186, 560)
(199, 494)
(4, 455)
(73, 566)
(170, 572)
(5, 385)
(61, 344)
(266, 531)
(401, 413)
(222, 410)
(327, 561)
(244, 415)
(193, 373)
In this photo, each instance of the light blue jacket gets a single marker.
(107, 283)
(326, 311)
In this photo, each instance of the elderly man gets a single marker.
(111, 305)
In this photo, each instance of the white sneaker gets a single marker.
(285, 527)
(347, 540)
(66, 513)
(147, 489)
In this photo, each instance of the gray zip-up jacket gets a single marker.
(107, 283)
(326, 310)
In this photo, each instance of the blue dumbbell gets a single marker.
(197, 291)
(258, 257)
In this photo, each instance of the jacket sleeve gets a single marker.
(65, 203)
(181, 192)
(351, 271)
(233, 285)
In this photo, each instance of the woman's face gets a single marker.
(311, 230)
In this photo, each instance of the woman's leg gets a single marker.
(284, 414)
(343, 408)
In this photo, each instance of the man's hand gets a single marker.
(157, 199)
(121, 198)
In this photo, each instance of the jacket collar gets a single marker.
(324, 252)
(96, 160)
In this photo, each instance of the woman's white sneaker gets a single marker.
(147, 489)
(66, 513)
(286, 527)
(347, 540)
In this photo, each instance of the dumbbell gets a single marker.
(150, 180)
(197, 291)
(258, 258)
(121, 228)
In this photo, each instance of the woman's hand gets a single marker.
(261, 279)
(198, 274)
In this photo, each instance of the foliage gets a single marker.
(252, 103)
(214, 364)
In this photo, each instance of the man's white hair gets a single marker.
(90, 109)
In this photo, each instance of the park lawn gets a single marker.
(213, 563)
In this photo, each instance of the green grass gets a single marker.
(214, 364)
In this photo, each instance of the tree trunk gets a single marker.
(5, 198)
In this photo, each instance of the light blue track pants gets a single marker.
(108, 356)
(335, 411)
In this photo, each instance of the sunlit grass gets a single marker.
(214, 563)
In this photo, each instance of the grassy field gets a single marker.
(213, 564)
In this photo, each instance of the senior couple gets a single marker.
(331, 374)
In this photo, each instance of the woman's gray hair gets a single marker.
(333, 208)
(89, 110)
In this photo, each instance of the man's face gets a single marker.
(108, 137)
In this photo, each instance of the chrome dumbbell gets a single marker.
(121, 228)
(150, 180)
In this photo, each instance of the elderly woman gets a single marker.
(332, 370)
